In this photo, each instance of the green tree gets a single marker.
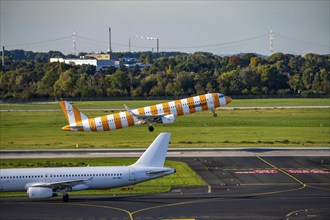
(184, 84)
(63, 87)
(45, 85)
(295, 82)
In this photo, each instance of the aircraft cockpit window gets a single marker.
(221, 96)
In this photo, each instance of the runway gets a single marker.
(254, 187)
(172, 152)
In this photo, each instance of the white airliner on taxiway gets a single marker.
(42, 183)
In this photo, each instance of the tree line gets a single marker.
(170, 74)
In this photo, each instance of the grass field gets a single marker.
(183, 177)
(232, 128)
(141, 103)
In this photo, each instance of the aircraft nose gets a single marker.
(228, 99)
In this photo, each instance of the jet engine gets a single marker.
(168, 119)
(40, 193)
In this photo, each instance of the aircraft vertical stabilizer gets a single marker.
(72, 114)
(155, 155)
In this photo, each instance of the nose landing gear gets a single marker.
(151, 128)
(214, 114)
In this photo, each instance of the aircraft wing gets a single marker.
(146, 118)
(60, 184)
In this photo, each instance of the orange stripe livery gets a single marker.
(162, 113)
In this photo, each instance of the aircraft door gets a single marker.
(131, 175)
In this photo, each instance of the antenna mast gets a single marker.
(74, 42)
(129, 44)
(271, 39)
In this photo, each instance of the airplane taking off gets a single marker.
(161, 113)
(42, 183)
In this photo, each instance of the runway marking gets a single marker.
(91, 205)
(271, 170)
(288, 174)
(257, 171)
(216, 199)
(293, 169)
(267, 184)
(242, 169)
(105, 207)
(224, 197)
(301, 185)
(279, 169)
(130, 214)
(280, 184)
(307, 171)
(303, 210)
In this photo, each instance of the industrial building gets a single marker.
(100, 60)
(91, 59)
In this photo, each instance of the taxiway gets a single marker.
(250, 187)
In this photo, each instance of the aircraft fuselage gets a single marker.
(161, 113)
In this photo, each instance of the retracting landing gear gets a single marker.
(151, 129)
(65, 197)
(214, 114)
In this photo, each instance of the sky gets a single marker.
(218, 26)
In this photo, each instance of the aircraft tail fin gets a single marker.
(72, 114)
(155, 155)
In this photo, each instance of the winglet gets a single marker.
(129, 111)
(155, 155)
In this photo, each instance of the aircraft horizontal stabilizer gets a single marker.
(155, 172)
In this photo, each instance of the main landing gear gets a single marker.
(151, 128)
(214, 114)
(65, 197)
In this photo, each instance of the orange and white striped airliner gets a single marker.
(161, 113)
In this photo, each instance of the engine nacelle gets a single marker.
(40, 193)
(168, 119)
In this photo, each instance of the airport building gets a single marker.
(100, 61)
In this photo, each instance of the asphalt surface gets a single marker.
(172, 152)
(258, 187)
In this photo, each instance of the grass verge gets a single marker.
(232, 128)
